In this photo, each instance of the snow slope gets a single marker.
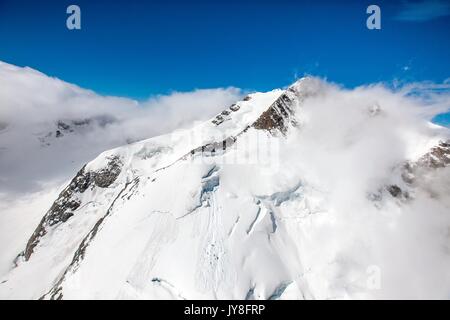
(312, 192)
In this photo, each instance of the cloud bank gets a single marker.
(50, 128)
(353, 143)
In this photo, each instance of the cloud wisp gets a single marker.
(423, 10)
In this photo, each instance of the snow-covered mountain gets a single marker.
(312, 192)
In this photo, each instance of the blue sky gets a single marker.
(142, 48)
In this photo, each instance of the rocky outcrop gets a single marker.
(411, 172)
(66, 127)
(281, 114)
(438, 157)
(224, 115)
(278, 116)
(234, 107)
(215, 147)
(56, 293)
(106, 176)
(69, 201)
(397, 192)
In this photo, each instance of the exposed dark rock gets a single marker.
(234, 107)
(279, 290)
(277, 116)
(56, 293)
(212, 148)
(412, 172)
(68, 202)
(61, 210)
(438, 157)
(394, 190)
(106, 176)
(63, 126)
(218, 120)
(250, 294)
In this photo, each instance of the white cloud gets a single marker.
(349, 145)
(31, 104)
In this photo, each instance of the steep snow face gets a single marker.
(303, 193)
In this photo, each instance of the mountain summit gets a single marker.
(302, 193)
